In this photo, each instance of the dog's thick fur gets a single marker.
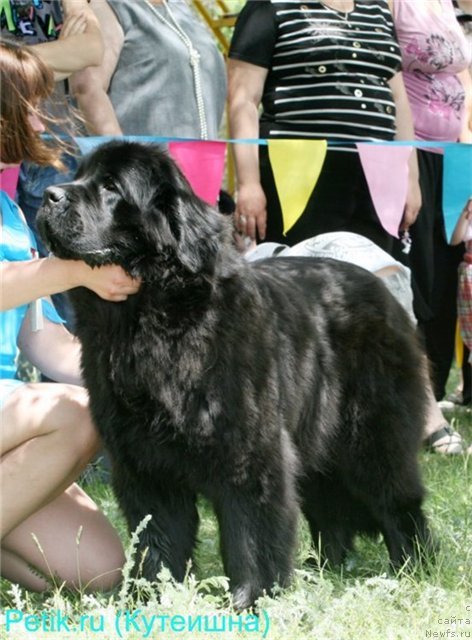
(265, 386)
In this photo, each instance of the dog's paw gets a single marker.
(245, 596)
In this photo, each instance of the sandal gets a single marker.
(445, 440)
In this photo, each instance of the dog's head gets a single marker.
(131, 205)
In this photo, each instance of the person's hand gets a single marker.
(412, 205)
(73, 25)
(467, 211)
(251, 212)
(110, 282)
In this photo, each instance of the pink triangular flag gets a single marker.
(9, 180)
(202, 162)
(386, 171)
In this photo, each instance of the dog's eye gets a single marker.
(109, 184)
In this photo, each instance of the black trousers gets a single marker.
(434, 263)
(341, 201)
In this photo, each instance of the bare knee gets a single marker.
(50, 409)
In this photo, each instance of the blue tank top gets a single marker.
(16, 243)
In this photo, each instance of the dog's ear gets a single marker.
(185, 224)
(201, 232)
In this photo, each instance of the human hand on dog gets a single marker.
(413, 203)
(27, 280)
(110, 282)
(251, 212)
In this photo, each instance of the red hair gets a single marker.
(25, 82)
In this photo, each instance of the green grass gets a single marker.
(363, 600)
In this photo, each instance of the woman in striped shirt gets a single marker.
(321, 70)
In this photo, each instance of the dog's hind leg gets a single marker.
(395, 505)
(406, 534)
(169, 537)
(328, 509)
(398, 509)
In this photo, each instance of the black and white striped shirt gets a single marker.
(328, 70)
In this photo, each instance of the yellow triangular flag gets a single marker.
(459, 347)
(296, 165)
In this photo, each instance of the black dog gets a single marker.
(262, 386)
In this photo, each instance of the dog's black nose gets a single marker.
(54, 195)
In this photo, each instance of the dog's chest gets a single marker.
(141, 379)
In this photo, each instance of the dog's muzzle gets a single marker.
(56, 198)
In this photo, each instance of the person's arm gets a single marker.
(79, 49)
(465, 221)
(22, 282)
(245, 87)
(466, 133)
(53, 350)
(90, 86)
(406, 131)
(465, 5)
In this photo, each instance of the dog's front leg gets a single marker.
(257, 540)
(169, 537)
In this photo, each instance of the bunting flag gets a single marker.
(296, 165)
(386, 171)
(9, 180)
(457, 183)
(203, 163)
(459, 346)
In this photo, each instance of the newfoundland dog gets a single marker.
(267, 387)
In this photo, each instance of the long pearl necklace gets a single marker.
(194, 59)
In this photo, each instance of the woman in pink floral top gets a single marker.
(435, 60)
(435, 53)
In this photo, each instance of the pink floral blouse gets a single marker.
(434, 50)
